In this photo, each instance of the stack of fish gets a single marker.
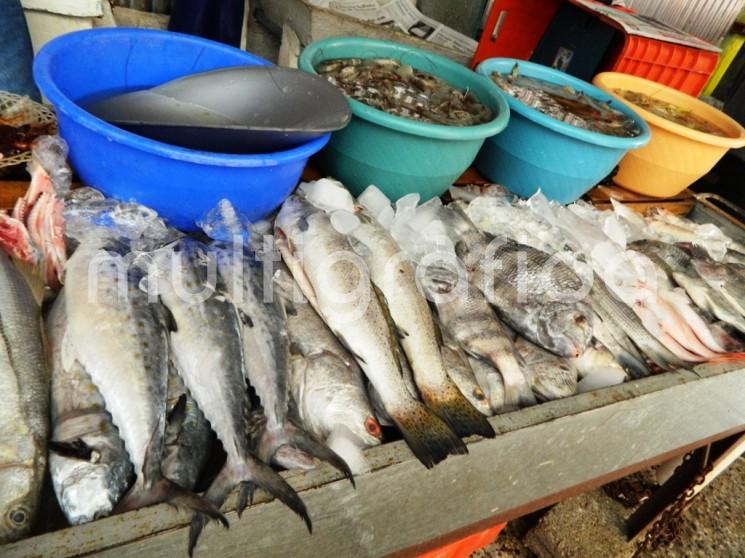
(429, 318)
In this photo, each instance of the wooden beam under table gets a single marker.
(541, 455)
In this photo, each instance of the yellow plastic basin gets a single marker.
(676, 156)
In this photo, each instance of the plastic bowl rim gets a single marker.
(406, 125)
(669, 125)
(488, 66)
(42, 74)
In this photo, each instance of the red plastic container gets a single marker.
(680, 67)
(466, 546)
(514, 28)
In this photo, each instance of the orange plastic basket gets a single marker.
(683, 68)
(466, 546)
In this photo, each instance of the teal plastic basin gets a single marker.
(540, 152)
(396, 154)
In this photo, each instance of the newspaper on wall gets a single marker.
(642, 26)
(402, 15)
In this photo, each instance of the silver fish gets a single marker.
(121, 340)
(266, 354)
(89, 466)
(326, 382)
(466, 316)
(725, 280)
(460, 371)
(393, 275)
(678, 265)
(343, 296)
(24, 414)
(613, 311)
(527, 286)
(208, 353)
(551, 376)
(187, 438)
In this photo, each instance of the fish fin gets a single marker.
(451, 406)
(295, 437)
(245, 318)
(165, 491)
(290, 458)
(429, 438)
(75, 449)
(168, 317)
(249, 471)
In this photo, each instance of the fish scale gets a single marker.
(24, 413)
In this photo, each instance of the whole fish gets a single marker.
(187, 438)
(208, 353)
(334, 281)
(460, 371)
(89, 466)
(24, 414)
(552, 377)
(325, 381)
(678, 263)
(613, 311)
(266, 352)
(393, 275)
(491, 382)
(466, 316)
(724, 279)
(121, 340)
(528, 287)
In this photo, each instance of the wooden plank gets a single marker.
(540, 453)
(76, 8)
(10, 191)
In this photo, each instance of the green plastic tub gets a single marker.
(396, 154)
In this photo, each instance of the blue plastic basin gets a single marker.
(180, 184)
(537, 151)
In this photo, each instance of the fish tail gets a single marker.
(730, 357)
(428, 437)
(247, 473)
(274, 442)
(450, 405)
(165, 491)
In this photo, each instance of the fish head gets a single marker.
(565, 329)
(18, 500)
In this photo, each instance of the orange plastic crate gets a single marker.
(680, 67)
(466, 546)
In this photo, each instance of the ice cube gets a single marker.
(223, 222)
(425, 213)
(601, 378)
(328, 194)
(344, 221)
(407, 203)
(386, 217)
(374, 200)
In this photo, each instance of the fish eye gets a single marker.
(18, 516)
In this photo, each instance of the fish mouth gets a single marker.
(373, 428)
